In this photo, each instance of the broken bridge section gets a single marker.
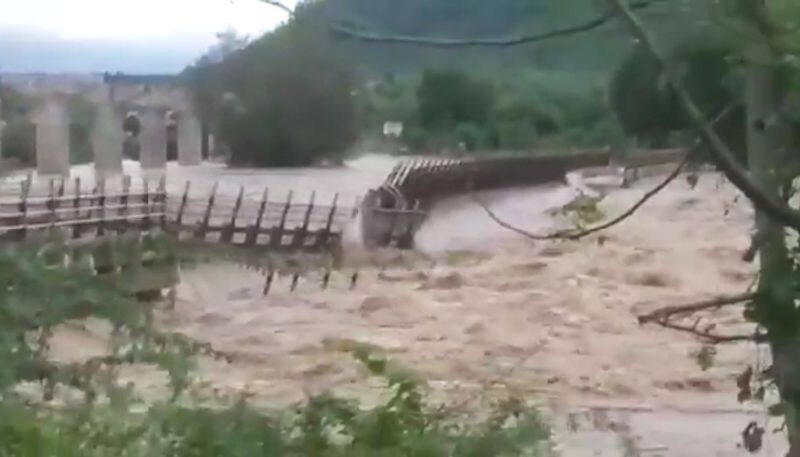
(392, 213)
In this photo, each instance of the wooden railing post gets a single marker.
(276, 239)
(325, 234)
(51, 203)
(268, 282)
(76, 203)
(200, 234)
(123, 200)
(146, 204)
(23, 206)
(300, 234)
(182, 208)
(101, 226)
(252, 235)
(162, 200)
(228, 232)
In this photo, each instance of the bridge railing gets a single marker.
(76, 214)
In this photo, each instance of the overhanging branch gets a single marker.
(279, 5)
(708, 336)
(776, 209)
(670, 311)
(351, 32)
(574, 235)
(664, 317)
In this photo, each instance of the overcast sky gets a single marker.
(143, 36)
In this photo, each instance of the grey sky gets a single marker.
(145, 36)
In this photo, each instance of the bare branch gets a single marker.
(647, 196)
(776, 209)
(577, 235)
(506, 225)
(573, 235)
(708, 336)
(670, 311)
(663, 318)
(280, 5)
(351, 32)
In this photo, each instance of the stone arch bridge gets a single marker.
(159, 106)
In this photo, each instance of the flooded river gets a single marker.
(555, 322)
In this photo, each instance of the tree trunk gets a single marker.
(775, 309)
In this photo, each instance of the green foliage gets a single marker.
(705, 356)
(82, 114)
(597, 50)
(284, 100)
(536, 111)
(19, 135)
(387, 99)
(16, 105)
(582, 211)
(645, 110)
(448, 98)
(19, 141)
(648, 109)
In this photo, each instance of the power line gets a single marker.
(351, 32)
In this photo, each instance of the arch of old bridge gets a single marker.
(161, 105)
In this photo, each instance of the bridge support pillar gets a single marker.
(153, 139)
(107, 139)
(190, 139)
(52, 139)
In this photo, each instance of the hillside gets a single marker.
(598, 50)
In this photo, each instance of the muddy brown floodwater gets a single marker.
(486, 310)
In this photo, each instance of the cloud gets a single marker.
(111, 35)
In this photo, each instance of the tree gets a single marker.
(767, 44)
(284, 100)
(448, 98)
(19, 135)
(769, 54)
(648, 108)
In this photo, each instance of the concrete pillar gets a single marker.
(153, 138)
(107, 139)
(190, 139)
(2, 127)
(52, 138)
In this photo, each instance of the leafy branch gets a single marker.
(776, 209)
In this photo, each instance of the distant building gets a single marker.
(143, 80)
(393, 129)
